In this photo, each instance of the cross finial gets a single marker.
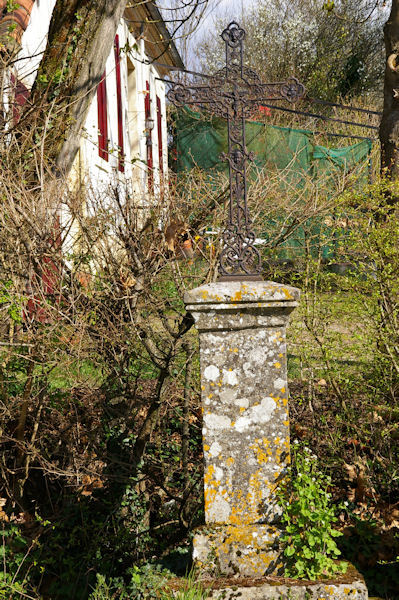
(232, 94)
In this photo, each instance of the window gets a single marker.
(20, 95)
(102, 118)
(160, 145)
(121, 154)
(147, 110)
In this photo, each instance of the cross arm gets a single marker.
(180, 94)
(290, 90)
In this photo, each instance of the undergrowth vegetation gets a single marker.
(100, 418)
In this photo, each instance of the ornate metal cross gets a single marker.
(232, 94)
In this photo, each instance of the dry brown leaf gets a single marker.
(350, 471)
(173, 231)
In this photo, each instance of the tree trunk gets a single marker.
(389, 128)
(80, 39)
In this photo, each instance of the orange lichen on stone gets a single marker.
(287, 293)
(237, 296)
(281, 450)
(262, 450)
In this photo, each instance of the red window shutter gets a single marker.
(102, 113)
(159, 123)
(121, 154)
(20, 95)
(147, 107)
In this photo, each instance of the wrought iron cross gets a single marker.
(232, 94)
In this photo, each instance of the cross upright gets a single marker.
(232, 94)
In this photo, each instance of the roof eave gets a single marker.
(160, 24)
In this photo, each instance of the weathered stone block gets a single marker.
(355, 590)
(347, 586)
(245, 411)
(248, 550)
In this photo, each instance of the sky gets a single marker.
(228, 10)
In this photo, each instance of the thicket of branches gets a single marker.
(336, 49)
(100, 422)
(99, 409)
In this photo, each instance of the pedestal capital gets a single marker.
(231, 305)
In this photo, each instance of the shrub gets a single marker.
(309, 545)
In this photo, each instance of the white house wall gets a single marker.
(98, 171)
(34, 41)
(89, 166)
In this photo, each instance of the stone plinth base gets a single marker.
(349, 586)
(311, 591)
(246, 551)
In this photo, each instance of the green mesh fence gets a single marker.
(201, 141)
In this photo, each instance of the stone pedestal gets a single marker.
(246, 429)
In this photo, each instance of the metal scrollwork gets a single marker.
(233, 93)
(179, 95)
(233, 35)
(292, 90)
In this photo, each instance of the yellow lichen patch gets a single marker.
(255, 494)
(280, 355)
(240, 514)
(210, 396)
(287, 294)
(206, 447)
(230, 461)
(208, 475)
(242, 409)
(262, 451)
(212, 490)
(277, 365)
(237, 296)
(285, 401)
(204, 294)
(286, 423)
(209, 498)
(282, 390)
(279, 452)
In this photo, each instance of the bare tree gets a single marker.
(79, 41)
(389, 128)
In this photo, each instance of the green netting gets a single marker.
(200, 142)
